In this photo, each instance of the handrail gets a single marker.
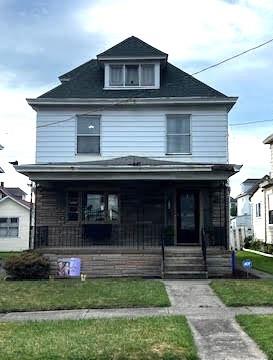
(204, 247)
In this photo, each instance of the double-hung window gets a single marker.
(9, 227)
(88, 134)
(178, 134)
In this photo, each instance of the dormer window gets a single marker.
(122, 76)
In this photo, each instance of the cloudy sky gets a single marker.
(41, 39)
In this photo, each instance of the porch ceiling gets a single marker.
(128, 168)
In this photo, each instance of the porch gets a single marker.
(126, 213)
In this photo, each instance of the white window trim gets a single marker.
(256, 208)
(166, 136)
(8, 226)
(76, 133)
(107, 85)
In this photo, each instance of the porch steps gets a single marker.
(184, 263)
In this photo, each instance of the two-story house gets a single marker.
(262, 204)
(132, 167)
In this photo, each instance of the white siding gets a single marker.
(138, 132)
(9, 208)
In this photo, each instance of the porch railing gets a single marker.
(139, 235)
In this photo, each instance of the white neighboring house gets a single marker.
(14, 219)
(241, 225)
(262, 204)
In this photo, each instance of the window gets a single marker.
(116, 75)
(270, 217)
(72, 206)
(270, 209)
(134, 75)
(131, 75)
(258, 209)
(9, 227)
(178, 134)
(88, 134)
(100, 208)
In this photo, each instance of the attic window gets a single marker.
(130, 75)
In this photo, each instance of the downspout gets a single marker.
(30, 220)
(265, 211)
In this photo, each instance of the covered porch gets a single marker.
(133, 216)
(130, 214)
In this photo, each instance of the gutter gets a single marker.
(132, 101)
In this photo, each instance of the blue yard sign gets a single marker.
(247, 264)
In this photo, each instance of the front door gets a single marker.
(187, 218)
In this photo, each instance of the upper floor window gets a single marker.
(9, 227)
(88, 134)
(258, 209)
(131, 75)
(178, 134)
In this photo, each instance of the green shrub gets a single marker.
(247, 242)
(27, 265)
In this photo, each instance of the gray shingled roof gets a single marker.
(133, 160)
(131, 47)
(87, 81)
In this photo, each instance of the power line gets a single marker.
(250, 122)
(232, 57)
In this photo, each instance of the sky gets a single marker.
(42, 39)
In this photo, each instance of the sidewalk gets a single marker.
(216, 333)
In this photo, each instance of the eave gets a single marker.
(95, 172)
(229, 101)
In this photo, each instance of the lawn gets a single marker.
(260, 328)
(260, 262)
(149, 338)
(244, 292)
(5, 255)
(74, 294)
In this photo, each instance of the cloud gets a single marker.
(42, 39)
(187, 30)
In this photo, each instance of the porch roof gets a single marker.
(128, 168)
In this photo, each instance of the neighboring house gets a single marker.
(262, 204)
(14, 219)
(132, 167)
(241, 225)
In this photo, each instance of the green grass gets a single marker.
(260, 262)
(150, 338)
(244, 292)
(74, 294)
(260, 328)
(5, 255)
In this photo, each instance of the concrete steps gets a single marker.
(184, 263)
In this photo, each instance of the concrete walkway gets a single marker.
(216, 333)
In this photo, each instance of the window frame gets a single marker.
(88, 135)
(107, 76)
(182, 134)
(9, 227)
(258, 210)
(105, 194)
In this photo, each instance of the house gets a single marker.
(241, 224)
(132, 166)
(14, 219)
(262, 204)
